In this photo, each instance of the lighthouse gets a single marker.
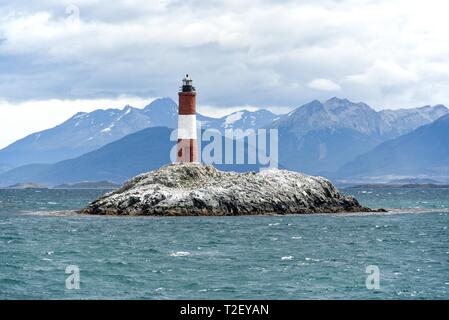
(187, 145)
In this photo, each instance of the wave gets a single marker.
(180, 254)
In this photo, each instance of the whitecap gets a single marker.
(180, 254)
(287, 258)
(296, 238)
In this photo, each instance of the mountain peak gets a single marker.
(164, 102)
(78, 115)
(440, 107)
(338, 100)
(314, 106)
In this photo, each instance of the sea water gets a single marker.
(323, 256)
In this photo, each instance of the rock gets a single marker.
(201, 190)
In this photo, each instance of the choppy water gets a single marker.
(290, 257)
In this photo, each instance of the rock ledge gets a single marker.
(201, 190)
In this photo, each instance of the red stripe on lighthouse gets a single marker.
(187, 144)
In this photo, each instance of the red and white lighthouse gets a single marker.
(187, 145)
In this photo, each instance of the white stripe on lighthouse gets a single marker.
(187, 126)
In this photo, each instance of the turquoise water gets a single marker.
(278, 257)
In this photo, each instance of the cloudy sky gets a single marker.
(58, 57)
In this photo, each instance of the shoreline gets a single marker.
(390, 211)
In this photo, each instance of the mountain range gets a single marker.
(317, 138)
(85, 132)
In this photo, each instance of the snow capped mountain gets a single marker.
(342, 113)
(242, 119)
(332, 114)
(399, 122)
(321, 137)
(101, 126)
(162, 113)
(85, 132)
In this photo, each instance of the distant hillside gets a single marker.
(27, 185)
(89, 185)
(414, 181)
(399, 186)
(424, 151)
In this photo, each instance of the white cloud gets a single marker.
(258, 53)
(384, 73)
(324, 85)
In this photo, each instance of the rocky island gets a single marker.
(27, 185)
(193, 189)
